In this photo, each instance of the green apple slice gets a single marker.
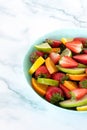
(47, 81)
(70, 70)
(73, 103)
(45, 47)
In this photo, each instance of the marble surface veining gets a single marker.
(21, 22)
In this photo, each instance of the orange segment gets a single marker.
(39, 88)
(77, 77)
(50, 66)
(70, 85)
(57, 50)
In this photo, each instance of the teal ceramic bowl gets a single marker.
(58, 34)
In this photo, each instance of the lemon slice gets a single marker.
(36, 65)
(64, 40)
(82, 108)
(66, 52)
(45, 47)
(46, 81)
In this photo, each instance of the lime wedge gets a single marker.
(66, 52)
(46, 81)
(45, 47)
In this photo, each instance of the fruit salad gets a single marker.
(59, 72)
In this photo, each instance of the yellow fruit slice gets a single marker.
(82, 108)
(64, 40)
(39, 88)
(36, 65)
(50, 66)
(77, 77)
(70, 85)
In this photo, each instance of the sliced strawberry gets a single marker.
(66, 91)
(54, 57)
(57, 76)
(54, 94)
(85, 50)
(82, 39)
(75, 46)
(82, 58)
(53, 43)
(67, 62)
(83, 83)
(42, 71)
(78, 93)
(35, 55)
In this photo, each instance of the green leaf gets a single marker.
(56, 98)
(83, 84)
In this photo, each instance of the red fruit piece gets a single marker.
(65, 91)
(83, 83)
(57, 76)
(78, 93)
(54, 94)
(53, 43)
(42, 71)
(67, 62)
(82, 58)
(35, 55)
(82, 39)
(75, 46)
(54, 57)
(85, 50)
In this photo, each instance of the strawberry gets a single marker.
(54, 57)
(57, 76)
(75, 46)
(54, 94)
(67, 62)
(42, 71)
(82, 39)
(78, 93)
(83, 83)
(53, 43)
(82, 58)
(85, 50)
(35, 55)
(66, 91)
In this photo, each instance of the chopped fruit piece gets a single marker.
(42, 71)
(85, 50)
(54, 95)
(65, 40)
(53, 43)
(50, 66)
(48, 81)
(70, 70)
(67, 62)
(66, 91)
(54, 57)
(58, 76)
(36, 65)
(82, 65)
(35, 55)
(70, 85)
(78, 93)
(73, 103)
(82, 108)
(83, 83)
(56, 50)
(44, 47)
(75, 46)
(78, 77)
(82, 39)
(66, 52)
(39, 88)
(82, 58)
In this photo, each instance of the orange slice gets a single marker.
(77, 77)
(50, 66)
(39, 88)
(70, 85)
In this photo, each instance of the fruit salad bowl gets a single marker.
(57, 72)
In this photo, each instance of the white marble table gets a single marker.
(21, 22)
